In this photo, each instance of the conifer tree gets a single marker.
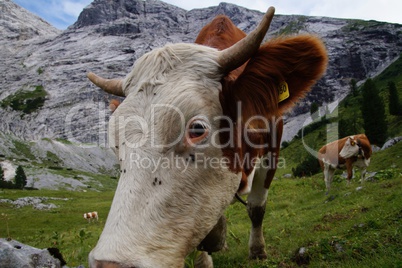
(346, 128)
(2, 179)
(353, 87)
(20, 178)
(394, 107)
(313, 109)
(373, 112)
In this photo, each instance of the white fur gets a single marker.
(362, 164)
(174, 64)
(145, 226)
(258, 194)
(329, 170)
(257, 198)
(250, 179)
(348, 149)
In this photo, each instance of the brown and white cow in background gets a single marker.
(199, 123)
(91, 215)
(346, 153)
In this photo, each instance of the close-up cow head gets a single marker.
(190, 112)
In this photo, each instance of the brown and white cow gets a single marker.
(346, 153)
(91, 215)
(199, 123)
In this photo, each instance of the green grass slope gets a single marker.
(63, 227)
(349, 112)
(347, 228)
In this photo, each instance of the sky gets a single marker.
(63, 13)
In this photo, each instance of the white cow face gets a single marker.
(174, 183)
(351, 148)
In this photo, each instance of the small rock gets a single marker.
(44, 206)
(391, 142)
(302, 250)
(375, 148)
(330, 198)
(301, 257)
(371, 177)
(338, 247)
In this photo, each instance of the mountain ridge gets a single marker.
(16, 23)
(110, 35)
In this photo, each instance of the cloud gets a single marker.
(74, 8)
(381, 10)
(59, 13)
(62, 13)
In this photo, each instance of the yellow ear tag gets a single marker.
(283, 91)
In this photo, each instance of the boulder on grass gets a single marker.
(14, 254)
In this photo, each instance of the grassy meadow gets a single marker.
(347, 228)
(63, 227)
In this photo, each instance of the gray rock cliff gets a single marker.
(44, 91)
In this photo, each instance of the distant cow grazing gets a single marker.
(200, 123)
(91, 215)
(346, 153)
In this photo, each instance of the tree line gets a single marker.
(373, 110)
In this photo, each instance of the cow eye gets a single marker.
(197, 130)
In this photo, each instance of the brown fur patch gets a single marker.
(113, 105)
(300, 61)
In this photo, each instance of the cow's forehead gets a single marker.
(167, 88)
(178, 78)
(164, 116)
(172, 65)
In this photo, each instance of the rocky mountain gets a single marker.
(43, 87)
(55, 164)
(18, 24)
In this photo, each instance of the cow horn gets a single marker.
(112, 86)
(234, 56)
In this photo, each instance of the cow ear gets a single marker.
(292, 64)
